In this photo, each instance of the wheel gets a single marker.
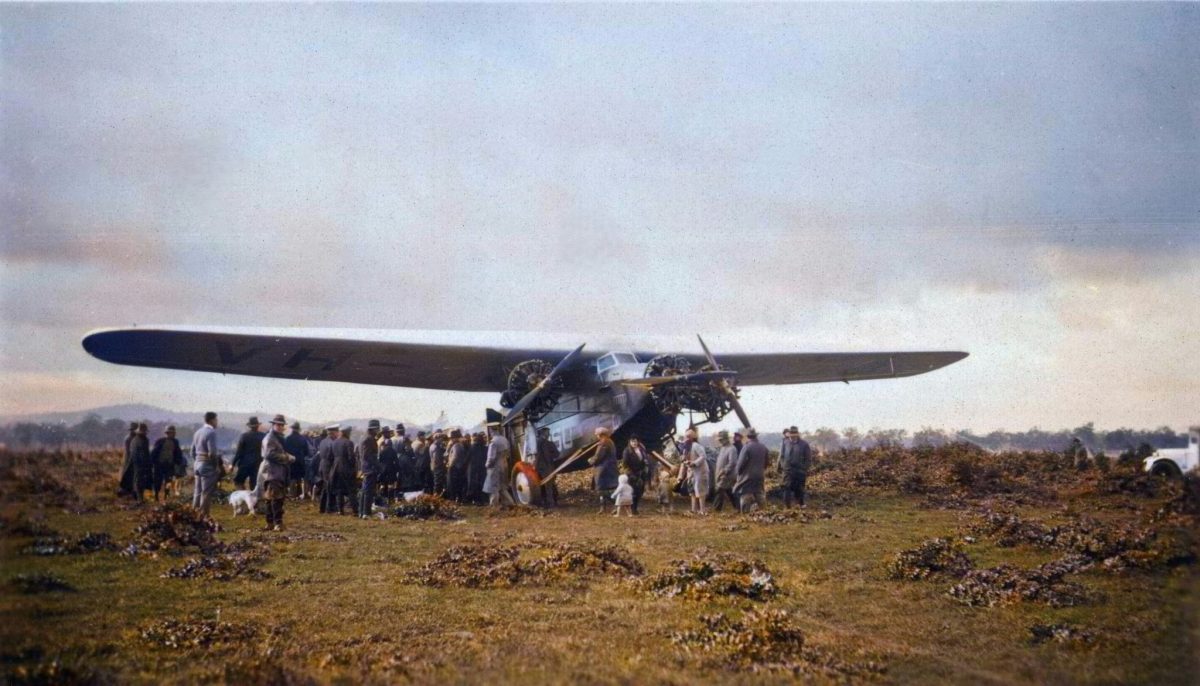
(524, 490)
(1166, 469)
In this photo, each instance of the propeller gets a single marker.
(722, 383)
(542, 385)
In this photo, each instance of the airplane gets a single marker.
(631, 385)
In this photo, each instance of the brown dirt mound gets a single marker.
(427, 507)
(766, 640)
(787, 516)
(534, 561)
(934, 557)
(21, 524)
(174, 527)
(1060, 633)
(241, 559)
(707, 575)
(1005, 585)
(198, 633)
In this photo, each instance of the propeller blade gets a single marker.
(537, 390)
(724, 385)
(712, 361)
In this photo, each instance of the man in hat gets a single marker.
(456, 467)
(751, 472)
(370, 468)
(795, 457)
(128, 479)
(437, 462)
(345, 471)
(277, 463)
(605, 477)
(545, 460)
(297, 446)
(477, 468)
(389, 461)
(738, 441)
(143, 467)
(207, 466)
(496, 482)
(164, 456)
(727, 458)
(422, 468)
(325, 469)
(247, 455)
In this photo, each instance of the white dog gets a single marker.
(246, 502)
(243, 502)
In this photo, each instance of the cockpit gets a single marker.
(611, 360)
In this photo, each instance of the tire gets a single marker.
(1166, 469)
(524, 492)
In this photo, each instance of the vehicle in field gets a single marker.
(1175, 462)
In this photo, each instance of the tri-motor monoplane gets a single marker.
(631, 385)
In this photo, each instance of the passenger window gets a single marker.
(626, 358)
(605, 363)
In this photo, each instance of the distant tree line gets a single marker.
(1114, 441)
(94, 432)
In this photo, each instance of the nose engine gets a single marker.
(524, 378)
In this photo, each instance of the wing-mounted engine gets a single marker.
(526, 377)
(675, 387)
(684, 389)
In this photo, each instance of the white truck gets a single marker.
(1175, 462)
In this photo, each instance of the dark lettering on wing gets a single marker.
(308, 356)
(229, 358)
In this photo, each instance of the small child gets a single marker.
(666, 486)
(623, 496)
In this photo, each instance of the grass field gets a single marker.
(341, 611)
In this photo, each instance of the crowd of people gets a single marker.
(330, 468)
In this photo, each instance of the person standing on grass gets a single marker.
(247, 455)
(457, 463)
(477, 468)
(389, 461)
(207, 466)
(726, 472)
(297, 446)
(165, 454)
(751, 472)
(497, 469)
(633, 466)
(694, 455)
(604, 463)
(128, 481)
(370, 467)
(276, 468)
(139, 451)
(326, 470)
(795, 457)
(422, 471)
(437, 463)
(545, 460)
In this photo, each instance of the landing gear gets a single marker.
(525, 492)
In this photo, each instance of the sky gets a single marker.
(1019, 181)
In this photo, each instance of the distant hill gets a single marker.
(157, 415)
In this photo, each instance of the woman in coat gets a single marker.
(696, 458)
(605, 476)
(633, 465)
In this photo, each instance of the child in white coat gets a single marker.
(623, 496)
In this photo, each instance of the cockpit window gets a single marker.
(606, 362)
(625, 358)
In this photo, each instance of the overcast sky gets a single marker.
(1018, 181)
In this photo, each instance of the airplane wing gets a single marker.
(385, 363)
(446, 362)
(768, 369)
